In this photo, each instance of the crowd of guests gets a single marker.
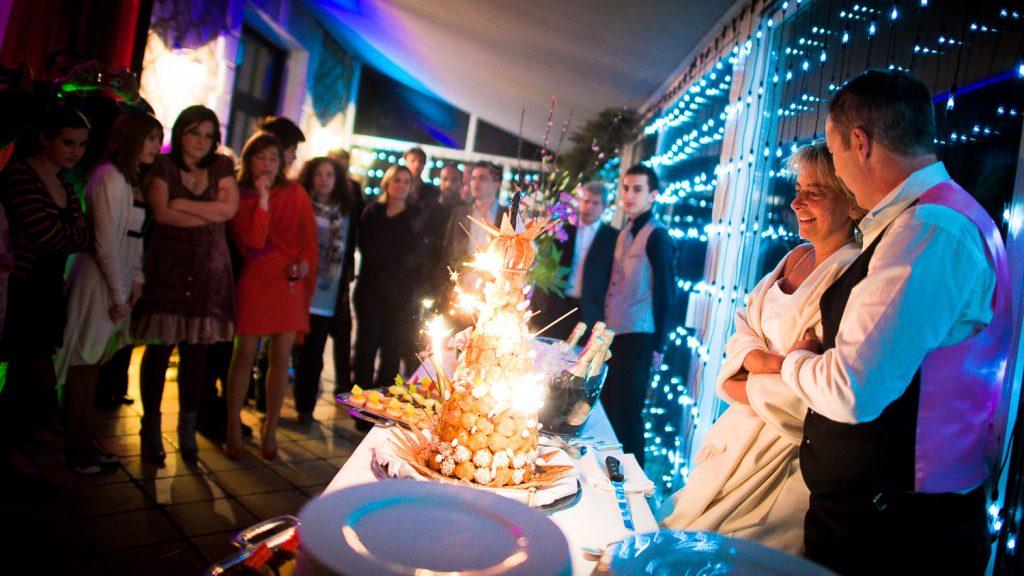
(241, 269)
(863, 376)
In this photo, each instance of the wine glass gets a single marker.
(294, 273)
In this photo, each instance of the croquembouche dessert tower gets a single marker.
(486, 431)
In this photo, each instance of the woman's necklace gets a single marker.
(789, 283)
(195, 181)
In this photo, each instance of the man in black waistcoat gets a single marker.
(902, 390)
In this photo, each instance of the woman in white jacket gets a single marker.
(746, 479)
(105, 282)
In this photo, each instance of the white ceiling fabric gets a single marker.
(497, 58)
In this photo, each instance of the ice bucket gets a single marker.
(567, 405)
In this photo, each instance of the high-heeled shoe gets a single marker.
(268, 443)
(234, 453)
(152, 442)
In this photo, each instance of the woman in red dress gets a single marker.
(276, 233)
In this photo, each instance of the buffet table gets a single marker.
(593, 522)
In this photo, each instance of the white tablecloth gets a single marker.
(593, 522)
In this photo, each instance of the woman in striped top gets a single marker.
(46, 225)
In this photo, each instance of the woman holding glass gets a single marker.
(276, 235)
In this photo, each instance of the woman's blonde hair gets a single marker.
(816, 158)
(385, 182)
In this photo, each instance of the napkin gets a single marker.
(594, 472)
(397, 467)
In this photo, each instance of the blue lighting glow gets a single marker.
(690, 129)
(347, 5)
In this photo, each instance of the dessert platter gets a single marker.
(410, 405)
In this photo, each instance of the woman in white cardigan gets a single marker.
(105, 282)
(746, 481)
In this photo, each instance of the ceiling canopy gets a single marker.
(499, 58)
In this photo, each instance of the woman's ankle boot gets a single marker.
(152, 440)
(187, 436)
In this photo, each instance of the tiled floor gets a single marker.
(136, 518)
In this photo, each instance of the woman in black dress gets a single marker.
(387, 278)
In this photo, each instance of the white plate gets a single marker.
(673, 552)
(393, 527)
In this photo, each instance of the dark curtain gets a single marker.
(104, 30)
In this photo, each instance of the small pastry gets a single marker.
(395, 408)
(410, 413)
(357, 396)
(373, 401)
(398, 391)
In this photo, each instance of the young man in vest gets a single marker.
(904, 387)
(636, 307)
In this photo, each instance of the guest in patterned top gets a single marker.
(332, 208)
(188, 299)
(46, 225)
(341, 328)
(105, 283)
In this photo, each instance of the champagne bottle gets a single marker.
(575, 375)
(597, 331)
(602, 355)
(576, 334)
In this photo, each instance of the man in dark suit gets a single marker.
(424, 193)
(462, 237)
(587, 253)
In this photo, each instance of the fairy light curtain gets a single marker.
(720, 133)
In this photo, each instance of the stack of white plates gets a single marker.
(396, 527)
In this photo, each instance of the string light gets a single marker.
(764, 120)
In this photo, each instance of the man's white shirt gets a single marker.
(929, 285)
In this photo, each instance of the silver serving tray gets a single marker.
(563, 503)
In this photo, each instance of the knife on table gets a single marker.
(615, 475)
